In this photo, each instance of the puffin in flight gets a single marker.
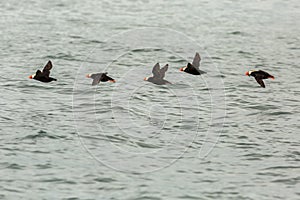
(259, 75)
(158, 75)
(100, 77)
(43, 76)
(194, 67)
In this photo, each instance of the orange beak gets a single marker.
(88, 76)
(247, 73)
(181, 69)
(113, 81)
(30, 76)
(145, 79)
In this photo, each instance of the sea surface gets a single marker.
(215, 136)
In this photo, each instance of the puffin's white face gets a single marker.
(182, 68)
(250, 72)
(146, 78)
(33, 75)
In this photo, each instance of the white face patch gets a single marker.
(33, 75)
(184, 68)
(250, 72)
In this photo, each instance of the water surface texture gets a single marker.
(216, 136)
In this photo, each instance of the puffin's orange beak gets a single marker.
(145, 79)
(247, 73)
(113, 81)
(181, 69)
(88, 76)
(30, 76)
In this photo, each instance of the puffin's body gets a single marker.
(158, 75)
(194, 67)
(100, 77)
(259, 75)
(44, 76)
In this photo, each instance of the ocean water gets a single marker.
(215, 136)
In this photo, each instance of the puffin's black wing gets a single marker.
(264, 74)
(96, 78)
(38, 72)
(47, 68)
(163, 70)
(105, 78)
(196, 61)
(155, 70)
(260, 82)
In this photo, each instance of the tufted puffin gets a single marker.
(194, 67)
(158, 75)
(43, 76)
(259, 75)
(100, 77)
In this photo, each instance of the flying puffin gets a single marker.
(158, 75)
(259, 75)
(194, 67)
(43, 76)
(100, 77)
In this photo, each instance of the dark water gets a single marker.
(218, 136)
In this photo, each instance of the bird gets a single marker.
(100, 77)
(259, 75)
(194, 67)
(158, 75)
(44, 76)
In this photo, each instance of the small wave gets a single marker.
(236, 33)
(92, 42)
(40, 134)
(282, 167)
(147, 50)
(15, 166)
(104, 180)
(63, 56)
(146, 145)
(289, 181)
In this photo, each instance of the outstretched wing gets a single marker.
(47, 68)
(105, 78)
(260, 82)
(155, 70)
(196, 61)
(96, 78)
(38, 73)
(163, 70)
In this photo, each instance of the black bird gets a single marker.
(43, 76)
(259, 75)
(158, 75)
(100, 77)
(194, 67)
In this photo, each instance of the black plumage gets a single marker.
(194, 67)
(100, 77)
(44, 76)
(259, 75)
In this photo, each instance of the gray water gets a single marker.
(218, 136)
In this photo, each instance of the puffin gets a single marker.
(194, 67)
(158, 75)
(100, 77)
(259, 75)
(43, 76)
